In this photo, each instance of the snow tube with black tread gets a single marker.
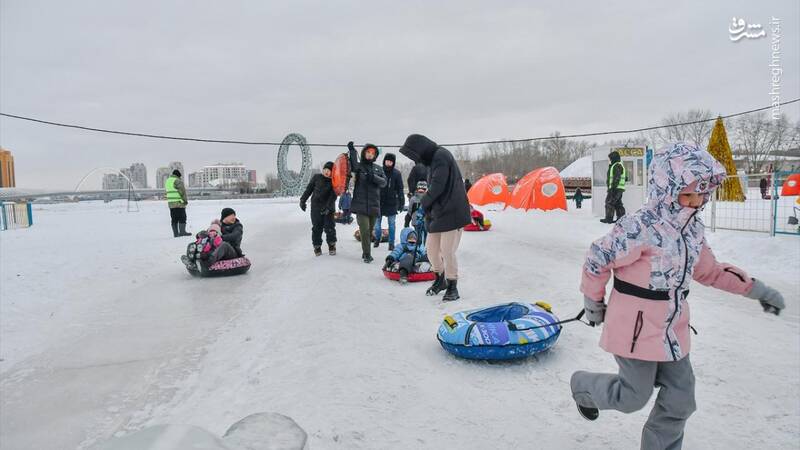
(225, 268)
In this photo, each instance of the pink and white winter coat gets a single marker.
(653, 254)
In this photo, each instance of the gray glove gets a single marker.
(770, 299)
(595, 311)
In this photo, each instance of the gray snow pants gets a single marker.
(630, 390)
(223, 252)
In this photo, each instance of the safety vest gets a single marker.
(622, 179)
(173, 196)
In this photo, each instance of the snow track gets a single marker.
(109, 334)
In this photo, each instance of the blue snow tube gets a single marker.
(508, 331)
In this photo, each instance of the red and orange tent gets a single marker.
(791, 186)
(539, 189)
(492, 188)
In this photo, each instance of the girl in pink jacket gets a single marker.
(653, 255)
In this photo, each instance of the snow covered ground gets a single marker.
(102, 332)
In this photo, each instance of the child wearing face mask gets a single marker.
(653, 255)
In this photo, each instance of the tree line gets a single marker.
(757, 139)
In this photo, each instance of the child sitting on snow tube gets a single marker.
(479, 223)
(408, 258)
(216, 252)
(477, 218)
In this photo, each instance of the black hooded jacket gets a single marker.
(612, 179)
(324, 197)
(392, 198)
(369, 179)
(446, 206)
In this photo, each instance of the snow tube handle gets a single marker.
(513, 327)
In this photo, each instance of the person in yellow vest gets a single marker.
(615, 181)
(177, 201)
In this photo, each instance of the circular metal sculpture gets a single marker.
(292, 184)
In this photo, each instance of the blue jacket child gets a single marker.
(405, 256)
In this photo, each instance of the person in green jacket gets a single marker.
(615, 181)
(177, 201)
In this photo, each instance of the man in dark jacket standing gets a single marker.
(446, 210)
(392, 199)
(323, 199)
(369, 179)
(615, 181)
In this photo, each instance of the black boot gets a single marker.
(182, 229)
(376, 243)
(175, 230)
(367, 258)
(391, 246)
(403, 276)
(438, 285)
(451, 294)
(317, 250)
(588, 413)
(332, 249)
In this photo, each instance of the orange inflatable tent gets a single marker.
(492, 188)
(540, 189)
(791, 186)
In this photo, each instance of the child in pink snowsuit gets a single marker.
(653, 255)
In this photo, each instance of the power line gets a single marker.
(462, 144)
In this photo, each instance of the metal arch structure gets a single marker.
(131, 190)
(293, 185)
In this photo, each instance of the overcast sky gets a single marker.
(368, 71)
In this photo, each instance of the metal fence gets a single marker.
(786, 210)
(763, 210)
(15, 215)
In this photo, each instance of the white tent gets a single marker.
(580, 168)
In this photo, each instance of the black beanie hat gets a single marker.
(391, 157)
(177, 173)
(226, 212)
(328, 165)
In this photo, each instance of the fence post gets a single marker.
(30, 215)
(773, 202)
(3, 218)
(714, 212)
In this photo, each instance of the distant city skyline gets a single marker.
(211, 175)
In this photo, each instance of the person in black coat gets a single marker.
(467, 185)
(446, 210)
(232, 230)
(392, 199)
(323, 201)
(366, 204)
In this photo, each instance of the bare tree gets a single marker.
(697, 130)
(273, 183)
(515, 159)
(760, 140)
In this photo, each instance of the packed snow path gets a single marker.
(102, 332)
